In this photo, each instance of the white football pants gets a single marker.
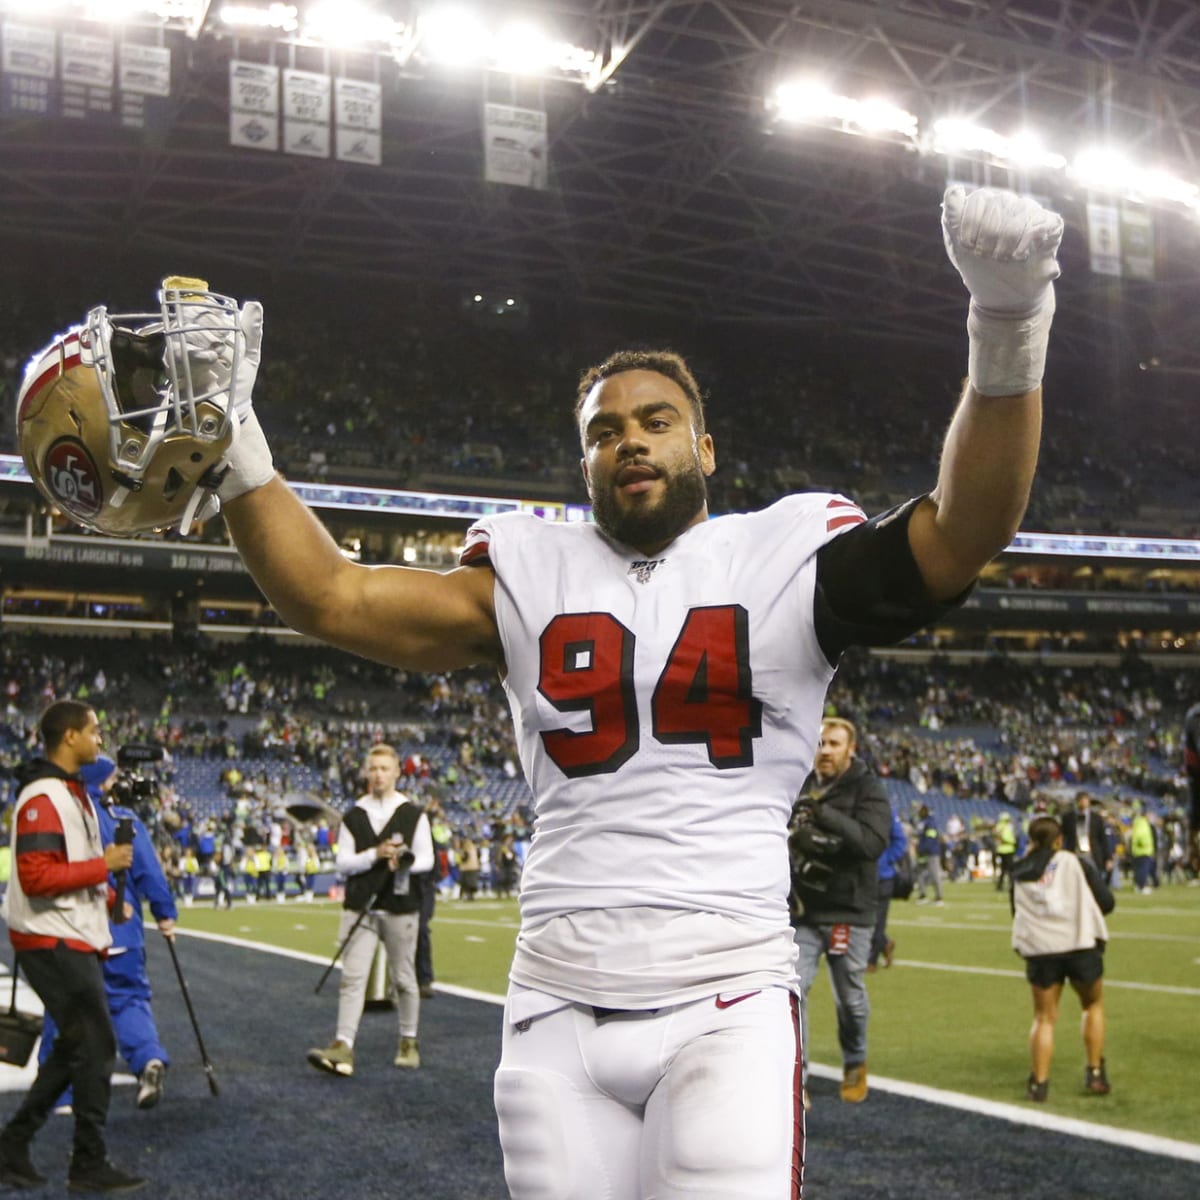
(696, 1102)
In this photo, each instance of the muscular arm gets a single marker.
(983, 487)
(415, 619)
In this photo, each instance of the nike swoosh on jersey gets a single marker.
(736, 1000)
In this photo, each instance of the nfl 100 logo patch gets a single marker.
(643, 568)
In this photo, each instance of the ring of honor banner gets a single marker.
(514, 146)
(253, 105)
(77, 78)
(29, 62)
(358, 107)
(1121, 241)
(306, 98)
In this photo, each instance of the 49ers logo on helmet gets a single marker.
(72, 478)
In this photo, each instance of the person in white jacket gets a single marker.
(1059, 902)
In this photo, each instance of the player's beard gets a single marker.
(684, 494)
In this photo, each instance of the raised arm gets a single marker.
(1004, 247)
(416, 619)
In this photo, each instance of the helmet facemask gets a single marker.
(147, 394)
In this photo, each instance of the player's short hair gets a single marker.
(380, 749)
(664, 362)
(841, 723)
(1044, 832)
(61, 716)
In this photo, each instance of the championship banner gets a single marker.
(253, 105)
(28, 65)
(87, 78)
(357, 117)
(87, 60)
(1137, 243)
(306, 97)
(1104, 238)
(28, 50)
(514, 146)
(145, 70)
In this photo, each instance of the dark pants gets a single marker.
(879, 937)
(424, 945)
(71, 985)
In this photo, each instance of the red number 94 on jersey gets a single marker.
(704, 693)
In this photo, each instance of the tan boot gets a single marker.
(337, 1058)
(854, 1084)
(409, 1054)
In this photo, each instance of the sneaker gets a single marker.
(409, 1055)
(337, 1058)
(103, 1177)
(854, 1084)
(889, 948)
(150, 1083)
(427, 992)
(16, 1167)
(1035, 1091)
(1095, 1080)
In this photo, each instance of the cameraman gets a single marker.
(840, 826)
(126, 983)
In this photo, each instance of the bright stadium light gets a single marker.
(175, 13)
(284, 17)
(112, 12)
(522, 49)
(454, 35)
(348, 24)
(964, 139)
(457, 35)
(38, 7)
(813, 103)
(1106, 170)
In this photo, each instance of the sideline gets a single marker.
(1147, 1143)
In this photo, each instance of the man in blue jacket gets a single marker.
(125, 980)
(896, 853)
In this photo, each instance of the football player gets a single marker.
(666, 674)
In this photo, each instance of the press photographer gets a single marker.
(133, 788)
(839, 827)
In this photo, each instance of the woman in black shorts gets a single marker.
(1059, 902)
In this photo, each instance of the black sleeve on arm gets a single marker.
(1099, 888)
(869, 589)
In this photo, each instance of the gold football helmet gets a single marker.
(122, 420)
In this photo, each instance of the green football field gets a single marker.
(953, 1011)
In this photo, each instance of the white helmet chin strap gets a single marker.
(198, 508)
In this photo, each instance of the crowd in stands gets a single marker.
(264, 744)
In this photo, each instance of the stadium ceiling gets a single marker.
(670, 187)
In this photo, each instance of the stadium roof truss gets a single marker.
(671, 186)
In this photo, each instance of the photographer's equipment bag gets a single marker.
(19, 1031)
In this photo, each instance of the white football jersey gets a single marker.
(667, 711)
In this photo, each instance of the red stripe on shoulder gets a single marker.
(474, 554)
(841, 522)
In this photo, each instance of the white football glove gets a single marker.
(248, 464)
(1004, 245)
